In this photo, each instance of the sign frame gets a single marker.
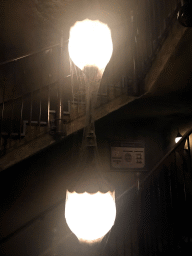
(127, 156)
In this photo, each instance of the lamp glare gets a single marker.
(90, 216)
(90, 44)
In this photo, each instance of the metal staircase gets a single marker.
(155, 213)
(31, 84)
(158, 219)
(34, 113)
(153, 216)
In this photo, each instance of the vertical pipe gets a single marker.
(59, 112)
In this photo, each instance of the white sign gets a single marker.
(127, 157)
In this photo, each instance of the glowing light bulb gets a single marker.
(90, 44)
(178, 137)
(90, 216)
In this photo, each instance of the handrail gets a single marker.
(28, 93)
(166, 201)
(175, 147)
(178, 144)
(30, 54)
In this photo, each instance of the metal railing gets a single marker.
(154, 215)
(36, 74)
(161, 206)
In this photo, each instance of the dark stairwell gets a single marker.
(145, 95)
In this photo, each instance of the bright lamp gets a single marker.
(90, 216)
(90, 44)
(178, 137)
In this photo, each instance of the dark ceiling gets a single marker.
(30, 25)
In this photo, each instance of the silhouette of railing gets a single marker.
(158, 207)
(26, 82)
